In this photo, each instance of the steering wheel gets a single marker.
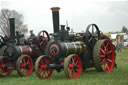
(2, 41)
(92, 35)
(42, 39)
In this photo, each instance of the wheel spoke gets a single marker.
(102, 61)
(102, 51)
(109, 60)
(109, 52)
(102, 56)
(76, 62)
(74, 73)
(107, 66)
(72, 60)
(43, 73)
(107, 44)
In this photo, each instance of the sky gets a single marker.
(109, 15)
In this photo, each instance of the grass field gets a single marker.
(118, 76)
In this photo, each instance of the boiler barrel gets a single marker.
(62, 49)
(12, 52)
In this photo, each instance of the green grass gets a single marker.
(118, 76)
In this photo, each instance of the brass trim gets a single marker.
(75, 47)
(67, 48)
(85, 48)
(55, 9)
(80, 47)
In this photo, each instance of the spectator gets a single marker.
(32, 34)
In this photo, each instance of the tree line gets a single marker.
(5, 14)
(124, 30)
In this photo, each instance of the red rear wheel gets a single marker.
(24, 65)
(41, 67)
(104, 52)
(73, 66)
(4, 71)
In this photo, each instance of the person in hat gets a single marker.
(32, 34)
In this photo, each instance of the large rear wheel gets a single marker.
(104, 56)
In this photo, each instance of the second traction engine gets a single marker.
(20, 57)
(74, 53)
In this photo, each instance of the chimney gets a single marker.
(55, 16)
(12, 29)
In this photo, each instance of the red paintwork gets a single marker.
(107, 49)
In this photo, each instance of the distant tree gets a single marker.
(5, 14)
(124, 29)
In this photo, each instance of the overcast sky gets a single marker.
(109, 15)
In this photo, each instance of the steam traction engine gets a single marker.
(21, 57)
(75, 53)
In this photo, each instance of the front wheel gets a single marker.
(41, 67)
(73, 66)
(4, 71)
(24, 65)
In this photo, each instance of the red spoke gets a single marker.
(107, 66)
(103, 65)
(28, 61)
(76, 62)
(70, 71)
(74, 73)
(102, 51)
(72, 60)
(46, 62)
(109, 52)
(43, 73)
(107, 44)
(40, 72)
(42, 62)
(102, 61)
(23, 70)
(70, 65)
(102, 56)
(109, 60)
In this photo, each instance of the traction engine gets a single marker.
(75, 53)
(21, 57)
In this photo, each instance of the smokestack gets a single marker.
(12, 29)
(55, 16)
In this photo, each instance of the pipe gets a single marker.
(55, 16)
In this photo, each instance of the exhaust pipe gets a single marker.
(12, 29)
(55, 16)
